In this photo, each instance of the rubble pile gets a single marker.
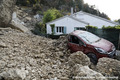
(80, 72)
(29, 57)
(79, 58)
(109, 67)
(25, 18)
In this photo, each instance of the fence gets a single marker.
(110, 34)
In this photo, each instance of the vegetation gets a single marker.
(52, 27)
(50, 15)
(89, 26)
(111, 27)
(39, 28)
(118, 21)
(62, 5)
(36, 7)
(104, 27)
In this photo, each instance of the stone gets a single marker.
(85, 73)
(19, 26)
(1, 78)
(6, 11)
(109, 67)
(2, 44)
(28, 18)
(15, 74)
(79, 58)
(2, 64)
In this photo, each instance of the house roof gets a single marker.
(69, 17)
(96, 17)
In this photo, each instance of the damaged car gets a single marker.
(93, 46)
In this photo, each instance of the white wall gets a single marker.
(68, 22)
(93, 20)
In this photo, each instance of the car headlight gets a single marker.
(101, 51)
(113, 48)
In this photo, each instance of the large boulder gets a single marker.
(109, 67)
(14, 74)
(6, 11)
(80, 72)
(79, 58)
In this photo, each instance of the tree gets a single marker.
(79, 4)
(50, 15)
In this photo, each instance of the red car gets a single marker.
(93, 46)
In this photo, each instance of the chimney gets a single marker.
(71, 10)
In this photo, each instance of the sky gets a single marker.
(109, 7)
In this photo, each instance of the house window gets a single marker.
(60, 29)
(79, 28)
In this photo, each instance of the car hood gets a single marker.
(103, 44)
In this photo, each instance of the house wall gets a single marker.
(67, 22)
(94, 21)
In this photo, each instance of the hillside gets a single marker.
(62, 5)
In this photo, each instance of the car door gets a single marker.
(75, 44)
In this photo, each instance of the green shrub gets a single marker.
(50, 15)
(40, 27)
(89, 26)
(117, 27)
(36, 7)
(40, 12)
(52, 27)
(111, 27)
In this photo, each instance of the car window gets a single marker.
(89, 37)
(80, 42)
(76, 40)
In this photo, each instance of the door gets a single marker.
(75, 44)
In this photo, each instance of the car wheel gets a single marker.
(93, 58)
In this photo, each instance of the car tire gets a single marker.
(93, 58)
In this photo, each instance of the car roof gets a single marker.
(77, 32)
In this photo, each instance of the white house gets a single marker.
(76, 21)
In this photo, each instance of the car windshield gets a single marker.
(89, 37)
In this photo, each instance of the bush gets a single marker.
(111, 27)
(89, 26)
(50, 15)
(39, 29)
(117, 27)
(36, 7)
(52, 27)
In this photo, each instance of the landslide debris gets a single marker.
(109, 67)
(29, 57)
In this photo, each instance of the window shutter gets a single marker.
(54, 30)
(64, 30)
